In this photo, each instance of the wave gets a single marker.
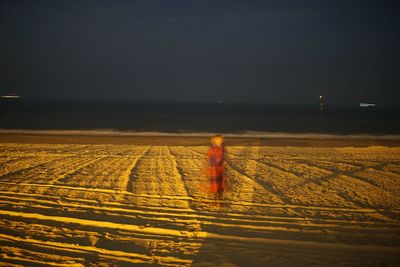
(242, 134)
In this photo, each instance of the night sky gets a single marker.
(278, 52)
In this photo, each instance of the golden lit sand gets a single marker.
(66, 204)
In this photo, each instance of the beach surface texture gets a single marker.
(81, 200)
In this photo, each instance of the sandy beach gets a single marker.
(90, 200)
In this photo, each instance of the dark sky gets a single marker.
(277, 52)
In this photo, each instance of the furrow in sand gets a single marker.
(393, 168)
(12, 259)
(50, 173)
(253, 169)
(229, 202)
(178, 170)
(7, 172)
(192, 170)
(384, 181)
(365, 195)
(155, 231)
(28, 200)
(111, 254)
(11, 253)
(67, 172)
(272, 180)
(103, 238)
(281, 229)
(351, 173)
(201, 152)
(96, 190)
(129, 174)
(304, 190)
(157, 175)
(6, 160)
(200, 234)
(261, 191)
(105, 173)
(303, 170)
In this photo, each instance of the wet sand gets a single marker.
(186, 140)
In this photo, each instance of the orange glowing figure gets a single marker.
(216, 154)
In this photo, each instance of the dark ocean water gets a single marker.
(196, 117)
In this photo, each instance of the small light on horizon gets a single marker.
(10, 96)
(321, 103)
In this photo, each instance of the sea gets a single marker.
(178, 117)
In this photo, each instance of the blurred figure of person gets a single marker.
(216, 154)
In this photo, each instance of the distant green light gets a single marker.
(365, 105)
(10, 96)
